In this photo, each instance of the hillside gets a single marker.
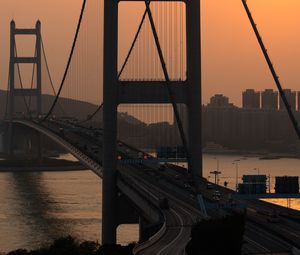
(72, 108)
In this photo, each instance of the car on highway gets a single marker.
(177, 176)
(216, 195)
(209, 186)
(187, 186)
(61, 131)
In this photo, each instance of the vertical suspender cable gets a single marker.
(124, 64)
(132, 45)
(175, 109)
(49, 74)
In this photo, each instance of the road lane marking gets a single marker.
(178, 236)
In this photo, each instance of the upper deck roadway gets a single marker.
(145, 184)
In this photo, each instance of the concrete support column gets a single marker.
(11, 88)
(194, 85)
(38, 68)
(13, 92)
(10, 140)
(39, 83)
(6, 140)
(143, 233)
(110, 104)
(39, 147)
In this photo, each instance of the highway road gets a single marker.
(259, 241)
(270, 219)
(174, 183)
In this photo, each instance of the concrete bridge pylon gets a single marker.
(116, 92)
(15, 91)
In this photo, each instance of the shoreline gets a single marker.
(46, 165)
(248, 154)
(44, 169)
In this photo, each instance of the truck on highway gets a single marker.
(61, 131)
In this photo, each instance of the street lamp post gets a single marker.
(216, 174)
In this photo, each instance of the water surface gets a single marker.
(40, 206)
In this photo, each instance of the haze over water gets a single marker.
(38, 207)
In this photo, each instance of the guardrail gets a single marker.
(140, 247)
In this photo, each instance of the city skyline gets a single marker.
(265, 99)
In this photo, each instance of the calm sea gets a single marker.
(36, 208)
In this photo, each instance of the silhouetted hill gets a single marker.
(72, 108)
(130, 129)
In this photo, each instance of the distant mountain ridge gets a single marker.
(72, 108)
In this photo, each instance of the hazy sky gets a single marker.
(232, 60)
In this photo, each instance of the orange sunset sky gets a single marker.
(232, 60)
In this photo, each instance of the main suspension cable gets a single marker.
(49, 75)
(68, 63)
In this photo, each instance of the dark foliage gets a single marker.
(69, 246)
(218, 236)
(115, 250)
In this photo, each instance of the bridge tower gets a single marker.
(120, 92)
(15, 60)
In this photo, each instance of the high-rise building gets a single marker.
(219, 100)
(269, 99)
(291, 98)
(251, 99)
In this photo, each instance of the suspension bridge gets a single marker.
(109, 84)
